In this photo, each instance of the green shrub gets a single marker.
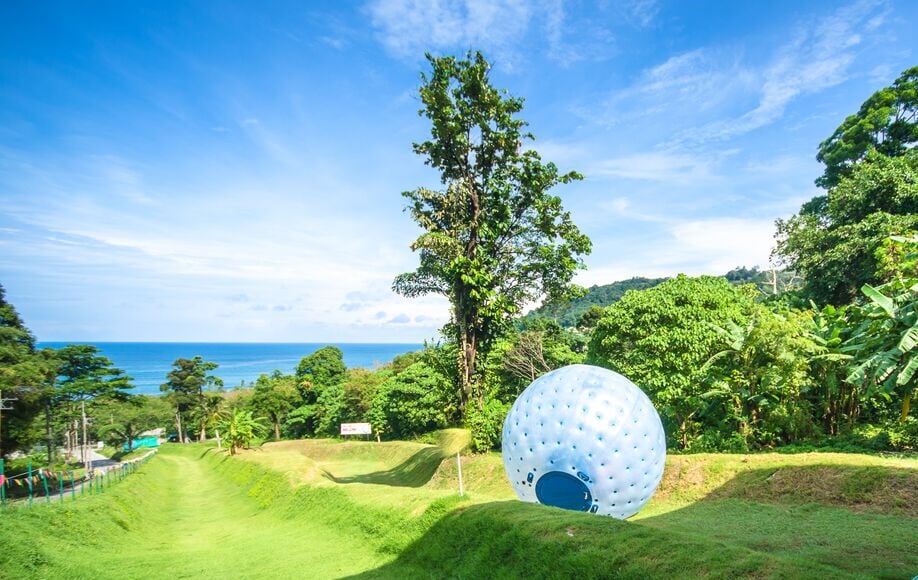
(412, 402)
(486, 424)
(661, 339)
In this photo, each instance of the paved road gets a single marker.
(99, 460)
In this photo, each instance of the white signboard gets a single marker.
(356, 429)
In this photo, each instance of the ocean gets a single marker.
(148, 362)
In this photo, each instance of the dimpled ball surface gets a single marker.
(584, 438)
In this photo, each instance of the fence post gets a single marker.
(2, 485)
(44, 482)
(72, 487)
(30, 484)
(60, 484)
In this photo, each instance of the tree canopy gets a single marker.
(887, 122)
(185, 386)
(494, 238)
(834, 239)
(323, 368)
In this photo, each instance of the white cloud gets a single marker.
(693, 247)
(407, 28)
(572, 39)
(662, 166)
(719, 244)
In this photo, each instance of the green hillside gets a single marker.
(568, 312)
(328, 509)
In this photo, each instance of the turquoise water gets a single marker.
(148, 362)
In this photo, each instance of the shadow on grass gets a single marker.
(737, 530)
(415, 471)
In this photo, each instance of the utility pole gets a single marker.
(5, 405)
(87, 458)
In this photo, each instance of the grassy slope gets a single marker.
(854, 513)
(176, 518)
(391, 510)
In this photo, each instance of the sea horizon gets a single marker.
(240, 363)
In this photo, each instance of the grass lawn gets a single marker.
(325, 509)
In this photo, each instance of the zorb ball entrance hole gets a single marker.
(584, 438)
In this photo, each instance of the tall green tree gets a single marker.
(834, 239)
(410, 403)
(85, 376)
(494, 238)
(185, 387)
(762, 374)
(887, 122)
(837, 399)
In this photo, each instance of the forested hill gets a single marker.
(568, 313)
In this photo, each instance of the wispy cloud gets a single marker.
(573, 39)
(677, 92)
(640, 12)
(663, 166)
(407, 28)
(817, 58)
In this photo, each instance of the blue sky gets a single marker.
(231, 171)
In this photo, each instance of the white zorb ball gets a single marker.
(584, 438)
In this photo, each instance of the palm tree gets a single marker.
(211, 412)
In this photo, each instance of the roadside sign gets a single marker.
(356, 429)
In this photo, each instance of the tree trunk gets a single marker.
(178, 427)
(50, 435)
(217, 433)
(203, 435)
(276, 429)
(466, 311)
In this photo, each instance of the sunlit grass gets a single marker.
(322, 509)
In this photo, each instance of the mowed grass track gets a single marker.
(178, 518)
(327, 509)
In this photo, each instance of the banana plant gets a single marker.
(831, 335)
(886, 343)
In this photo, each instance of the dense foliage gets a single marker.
(661, 339)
